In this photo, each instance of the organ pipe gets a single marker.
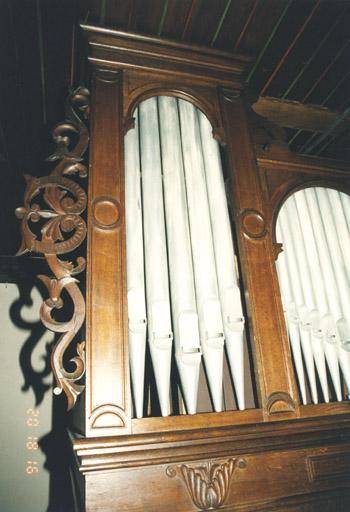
(313, 226)
(312, 315)
(183, 298)
(156, 265)
(180, 255)
(230, 298)
(321, 311)
(300, 299)
(135, 267)
(327, 275)
(292, 319)
(208, 304)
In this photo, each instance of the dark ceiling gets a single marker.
(301, 50)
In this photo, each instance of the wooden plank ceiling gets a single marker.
(301, 50)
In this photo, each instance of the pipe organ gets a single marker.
(217, 264)
(175, 190)
(314, 276)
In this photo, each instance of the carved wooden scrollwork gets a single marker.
(60, 203)
(208, 484)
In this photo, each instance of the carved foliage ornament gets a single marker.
(62, 230)
(208, 484)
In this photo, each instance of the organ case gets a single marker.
(284, 454)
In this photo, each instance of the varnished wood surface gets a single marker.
(126, 50)
(107, 372)
(265, 481)
(187, 422)
(270, 455)
(278, 465)
(293, 114)
(276, 383)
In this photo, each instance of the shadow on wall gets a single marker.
(33, 429)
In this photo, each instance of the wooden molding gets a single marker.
(120, 49)
(157, 448)
(293, 114)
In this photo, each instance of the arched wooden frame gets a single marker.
(306, 183)
(200, 99)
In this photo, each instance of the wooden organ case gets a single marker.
(284, 454)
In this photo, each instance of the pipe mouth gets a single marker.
(194, 350)
(215, 340)
(318, 333)
(162, 341)
(331, 338)
(138, 326)
(189, 357)
(235, 324)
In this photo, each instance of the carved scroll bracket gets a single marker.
(60, 203)
(208, 484)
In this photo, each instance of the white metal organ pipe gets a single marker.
(183, 298)
(321, 312)
(156, 263)
(135, 267)
(230, 296)
(180, 255)
(292, 318)
(208, 304)
(314, 228)
(301, 296)
(312, 316)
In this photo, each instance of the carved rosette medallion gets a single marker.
(106, 213)
(253, 224)
(57, 210)
(208, 484)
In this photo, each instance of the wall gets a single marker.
(26, 398)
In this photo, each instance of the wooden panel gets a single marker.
(326, 467)
(321, 67)
(148, 16)
(278, 392)
(262, 481)
(204, 22)
(258, 32)
(178, 423)
(286, 31)
(320, 22)
(107, 374)
(234, 22)
(175, 19)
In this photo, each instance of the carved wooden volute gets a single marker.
(62, 230)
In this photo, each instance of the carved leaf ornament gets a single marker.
(208, 484)
(62, 230)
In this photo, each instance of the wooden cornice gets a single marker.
(292, 114)
(118, 49)
(284, 160)
(101, 454)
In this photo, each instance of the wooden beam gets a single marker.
(292, 114)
